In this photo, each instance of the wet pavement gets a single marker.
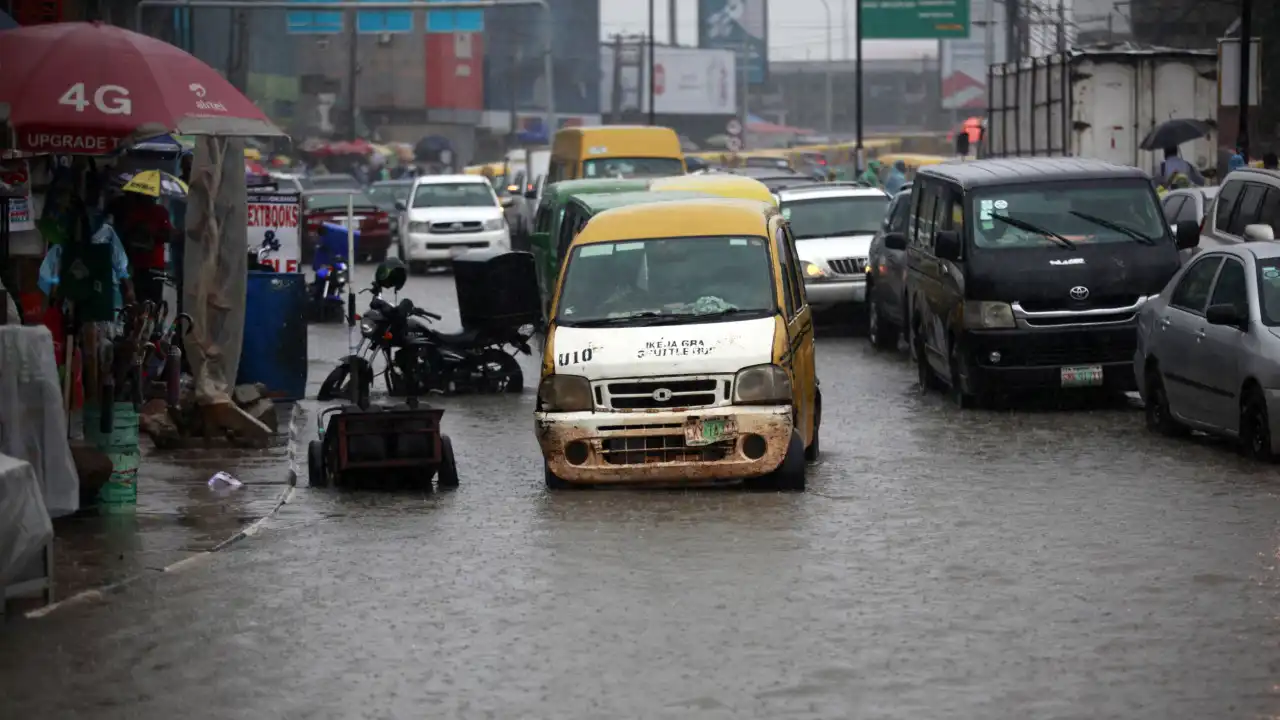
(1033, 562)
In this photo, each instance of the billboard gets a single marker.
(741, 26)
(687, 81)
(915, 19)
(964, 62)
(455, 71)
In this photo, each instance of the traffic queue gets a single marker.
(678, 309)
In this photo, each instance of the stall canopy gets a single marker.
(89, 88)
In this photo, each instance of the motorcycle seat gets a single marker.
(464, 339)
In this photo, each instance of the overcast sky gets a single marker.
(799, 33)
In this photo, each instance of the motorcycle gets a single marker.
(471, 361)
(329, 263)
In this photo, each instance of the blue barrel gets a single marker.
(275, 334)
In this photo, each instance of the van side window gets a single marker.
(569, 226)
(1248, 208)
(797, 277)
(1270, 214)
(925, 216)
(1227, 197)
(788, 274)
(542, 220)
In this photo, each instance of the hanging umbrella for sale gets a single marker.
(156, 183)
(89, 88)
(1172, 133)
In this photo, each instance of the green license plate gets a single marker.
(1082, 376)
(708, 430)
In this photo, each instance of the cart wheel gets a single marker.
(447, 474)
(315, 463)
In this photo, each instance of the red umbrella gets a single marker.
(86, 88)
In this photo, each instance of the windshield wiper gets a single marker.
(645, 317)
(1030, 227)
(1145, 240)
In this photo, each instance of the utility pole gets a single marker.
(1246, 40)
(744, 52)
(671, 23)
(827, 117)
(844, 32)
(653, 111)
(353, 68)
(1062, 26)
(860, 154)
(1013, 50)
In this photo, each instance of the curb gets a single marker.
(291, 452)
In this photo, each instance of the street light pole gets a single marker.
(652, 65)
(859, 152)
(1246, 40)
(827, 6)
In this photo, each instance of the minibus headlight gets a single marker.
(565, 393)
(984, 315)
(761, 385)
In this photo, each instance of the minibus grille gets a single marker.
(660, 393)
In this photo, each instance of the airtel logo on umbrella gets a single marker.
(203, 104)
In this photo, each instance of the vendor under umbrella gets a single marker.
(145, 228)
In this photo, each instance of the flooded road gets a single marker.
(945, 563)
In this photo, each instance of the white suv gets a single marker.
(1247, 208)
(833, 226)
(447, 215)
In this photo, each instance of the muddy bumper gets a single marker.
(593, 447)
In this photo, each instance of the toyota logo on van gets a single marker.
(1079, 292)
(662, 395)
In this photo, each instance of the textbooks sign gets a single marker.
(278, 214)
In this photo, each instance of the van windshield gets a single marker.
(667, 281)
(632, 167)
(1083, 212)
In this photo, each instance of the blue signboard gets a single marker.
(454, 21)
(311, 21)
(741, 26)
(384, 21)
(367, 21)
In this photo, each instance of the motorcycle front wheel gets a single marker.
(338, 384)
(497, 372)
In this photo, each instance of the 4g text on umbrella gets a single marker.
(107, 99)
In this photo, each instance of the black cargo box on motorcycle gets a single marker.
(496, 289)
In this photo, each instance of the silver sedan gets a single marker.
(1208, 355)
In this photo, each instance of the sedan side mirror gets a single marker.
(1259, 233)
(1226, 314)
(401, 206)
(1187, 234)
(946, 245)
(895, 241)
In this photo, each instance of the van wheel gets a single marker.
(1156, 407)
(555, 482)
(924, 372)
(811, 452)
(790, 475)
(882, 333)
(963, 400)
(1255, 426)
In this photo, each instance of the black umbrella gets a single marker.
(1172, 133)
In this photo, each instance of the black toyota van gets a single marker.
(1028, 274)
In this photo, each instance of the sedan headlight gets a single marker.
(761, 385)
(812, 270)
(983, 315)
(565, 393)
(495, 224)
(419, 227)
